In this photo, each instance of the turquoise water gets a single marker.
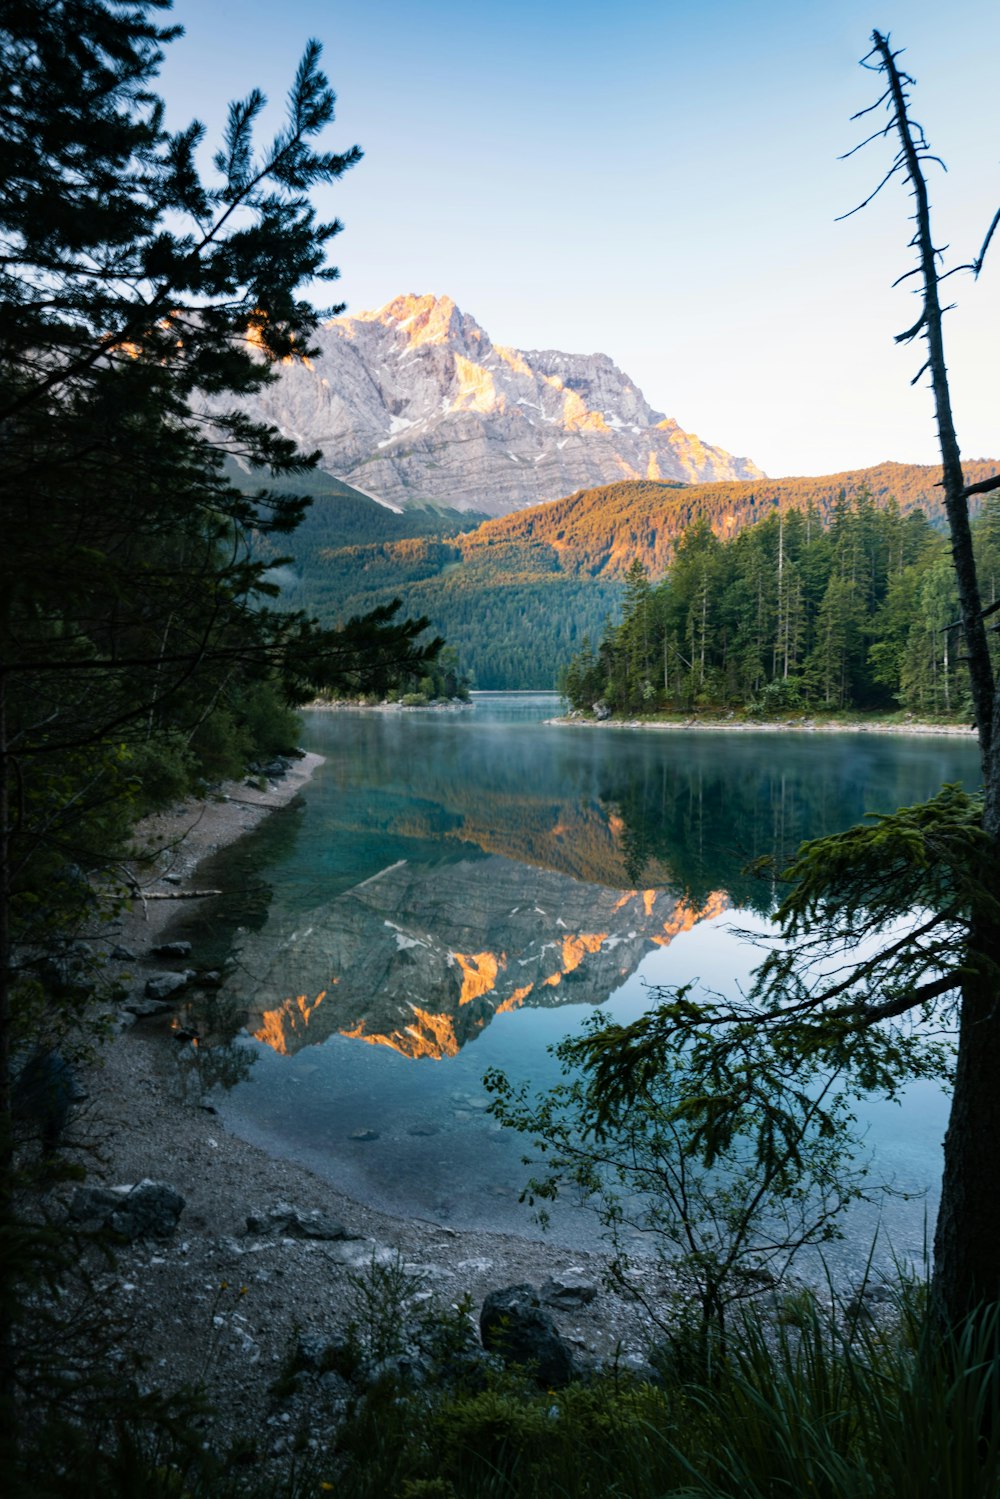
(456, 890)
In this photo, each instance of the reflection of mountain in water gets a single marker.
(615, 809)
(422, 959)
(579, 838)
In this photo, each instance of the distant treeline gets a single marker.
(517, 594)
(789, 614)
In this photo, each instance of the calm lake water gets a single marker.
(457, 890)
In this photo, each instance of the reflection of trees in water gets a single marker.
(208, 1051)
(704, 828)
(619, 809)
(707, 820)
(246, 895)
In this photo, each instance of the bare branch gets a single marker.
(983, 487)
(911, 333)
(871, 196)
(978, 262)
(876, 135)
(871, 107)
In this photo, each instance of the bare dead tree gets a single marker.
(967, 1241)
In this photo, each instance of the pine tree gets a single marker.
(137, 298)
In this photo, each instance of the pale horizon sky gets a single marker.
(659, 183)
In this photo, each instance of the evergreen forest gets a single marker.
(792, 615)
(517, 594)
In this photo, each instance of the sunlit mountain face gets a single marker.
(414, 402)
(422, 959)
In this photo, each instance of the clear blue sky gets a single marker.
(657, 181)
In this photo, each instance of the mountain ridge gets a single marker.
(414, 402)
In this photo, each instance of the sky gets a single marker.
(658, 181)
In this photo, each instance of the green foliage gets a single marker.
(878, 932)
(143, 286)
(828, 1404)
(136, 296)
(382, 1297)
(787, 618)
(561, 566)
(721, 1163)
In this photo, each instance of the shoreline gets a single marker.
(170, 845)
(215, 1303)
(772, 726)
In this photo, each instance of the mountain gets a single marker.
(414, 403)
(517, 594)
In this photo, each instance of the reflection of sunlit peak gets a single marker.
(291, 1017)
(649, 900)
(616, 826)
(479, 973)
(552, 980)
(430, 1036)
(685, 916)
(576, 948)
(624, 900)
(515, 1000)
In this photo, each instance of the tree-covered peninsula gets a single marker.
(860, 614)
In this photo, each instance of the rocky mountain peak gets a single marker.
(414, 402)
(420, 319)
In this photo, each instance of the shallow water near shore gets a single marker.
(457, 890)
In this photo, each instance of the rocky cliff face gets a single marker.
(414, 402)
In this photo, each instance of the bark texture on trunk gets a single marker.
(967, 1237)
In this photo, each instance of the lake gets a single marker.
(456, 890)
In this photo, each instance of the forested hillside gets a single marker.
(860, 614)
(517, 594)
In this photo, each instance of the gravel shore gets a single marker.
(765, 726)
(217, 1304)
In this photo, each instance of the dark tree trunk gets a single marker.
(967, 1239)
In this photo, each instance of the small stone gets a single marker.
(295, 1224)
(162, 985)
(172, 950)
(363, 1134)
(121, 954)
(568, 1289)
(422, 1129)
(139, 1009)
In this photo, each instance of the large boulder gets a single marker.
(513, 1324)
(162, 985)
(150, 1209)
(43, 1094)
